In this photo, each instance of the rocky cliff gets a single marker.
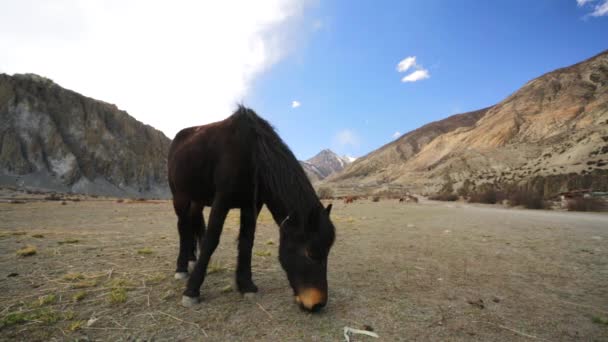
(56, 139)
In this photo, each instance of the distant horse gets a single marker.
(350, 199)
(241, 162)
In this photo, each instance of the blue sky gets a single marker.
(344, 70)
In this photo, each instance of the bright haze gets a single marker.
(345, 75)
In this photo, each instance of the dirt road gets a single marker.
(425, 272)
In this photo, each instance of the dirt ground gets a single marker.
(432, 271)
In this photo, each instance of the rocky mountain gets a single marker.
(56, 139)
(324, 164)
(554, 127)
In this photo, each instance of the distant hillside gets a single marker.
(56, 139)
(324, 164)
(554, 127)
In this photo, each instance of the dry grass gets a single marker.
(73, 276)
(410, 272)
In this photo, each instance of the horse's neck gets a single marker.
(277, 210)
(280, 212)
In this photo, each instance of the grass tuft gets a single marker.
(14, 318)
(599, 320)
(215, 267)
(27, 251)
(84, 284)
(78, 296)
(263, 253)
(118, 295)
(38, 236)
(45, 300)
(156, 278)
(68, 241)
(75, 326)
(145, 251)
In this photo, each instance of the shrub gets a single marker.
(444, 197)
(585, 204)
(526, 198)
(489, 196)
(325, 193)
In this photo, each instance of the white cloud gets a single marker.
(347, 137)
(410, 62)
(406, 63)
(416, 76)
(599, 10)
(396, 135)
(169, 64)
(295, 104)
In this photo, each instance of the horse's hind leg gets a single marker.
(244, 280)
(197, 224)
(181, 205)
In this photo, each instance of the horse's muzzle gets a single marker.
(311, 299)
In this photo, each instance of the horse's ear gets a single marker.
(328, 209)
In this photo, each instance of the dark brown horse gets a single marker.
(241, 162)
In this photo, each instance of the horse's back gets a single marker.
(204, 158)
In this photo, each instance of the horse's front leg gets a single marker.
(217, 217)
(244, 280)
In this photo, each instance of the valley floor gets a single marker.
(419, 272)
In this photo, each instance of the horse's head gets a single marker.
(305, 245)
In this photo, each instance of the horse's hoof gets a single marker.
(191, 265)
(189, 302)
(180, 275)
(250, 295)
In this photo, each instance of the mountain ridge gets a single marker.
(563, 113)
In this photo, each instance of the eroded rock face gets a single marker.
(556, 124)
(54, 138)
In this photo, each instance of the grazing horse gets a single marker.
(241, 162)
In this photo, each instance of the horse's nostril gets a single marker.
(317, 307)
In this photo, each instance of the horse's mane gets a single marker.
(276, 166)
